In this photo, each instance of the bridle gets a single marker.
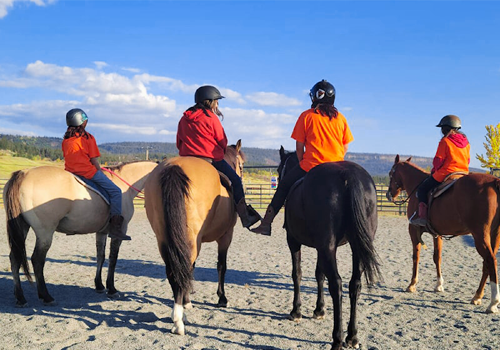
(403, 201)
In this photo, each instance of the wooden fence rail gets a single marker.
(260, 195)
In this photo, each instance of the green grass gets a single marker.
(9, 164)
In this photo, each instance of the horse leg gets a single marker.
(186, 302)
(480, 290)
(484, 249)
(319, 312)
(328, 262)
(42, 246)
(100, 242)
(438, 247)
(354, 291)
(294, 246)
(415, 240)
(113, 259)
(15, 266)
(178, 316)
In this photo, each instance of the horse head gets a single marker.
(287, 161)
(235, 157)
(396, 184)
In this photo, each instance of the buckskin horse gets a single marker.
(334, 204)
(187, 205)
(471, 205)
(50, 199)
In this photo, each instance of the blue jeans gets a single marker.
(236, 183)
(114, 192)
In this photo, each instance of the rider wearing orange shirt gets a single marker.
(81, 157)
(321, 135)
(452, 155)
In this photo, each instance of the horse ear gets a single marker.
(396, 161)
(238, 145)
(408, 159)
(282, 152)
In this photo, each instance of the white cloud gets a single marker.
(232, 96)
(272, 99)
(6, 5)
(100, 64)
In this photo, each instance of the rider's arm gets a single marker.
(95, 162)
(300, 147)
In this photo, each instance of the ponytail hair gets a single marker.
(207, 105)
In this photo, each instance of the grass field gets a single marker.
(9, 164)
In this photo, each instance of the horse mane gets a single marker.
(119, 166)
(413, 165)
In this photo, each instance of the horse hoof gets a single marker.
(21, 304)
(49, 303)
(411, 289)
(492, 310)
(294, 317)
(476, 301)
(222, 304)
(101, 291)
(319, 315)
(352, 343)
(188, 306)
(439, 289)
(178, 330)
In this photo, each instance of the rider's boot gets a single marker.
(265, 225)
(420, 219)
(115, 228)
(247, 214)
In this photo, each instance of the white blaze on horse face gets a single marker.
(178, 319)
(495, 299)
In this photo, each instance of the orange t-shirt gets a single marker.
(452, 155)
(324, 139)
(77, 151)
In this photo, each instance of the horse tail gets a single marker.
(176, 249)
(15, 221)
(364, 226)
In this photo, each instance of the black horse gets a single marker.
(333, 204)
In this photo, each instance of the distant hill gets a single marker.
(376, 164)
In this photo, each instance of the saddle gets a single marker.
(93, 187)
(224, 181)
(447, 183)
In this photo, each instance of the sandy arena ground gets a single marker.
(259, 289)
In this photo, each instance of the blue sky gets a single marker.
(133, 66)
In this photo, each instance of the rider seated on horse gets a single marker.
(322, 135)
(200, 134)
(452, 155)
(81, 158)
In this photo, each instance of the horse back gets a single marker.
(324, 201)
(51, 197)
(472, 201)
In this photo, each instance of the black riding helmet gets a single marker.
(76, 117)
(451, 121)
(322, 92)
(207, 92)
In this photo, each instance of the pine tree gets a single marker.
(492, 146)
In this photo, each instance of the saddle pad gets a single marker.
(224, 180)
(90, 185)
(447, 183)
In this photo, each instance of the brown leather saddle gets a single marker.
(447, 183)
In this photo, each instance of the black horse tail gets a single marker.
(364, 218)
(15, 222)
(176, 250)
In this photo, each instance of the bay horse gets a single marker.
(334, 204)
(471, 205)
(49, 199)
(187, 205)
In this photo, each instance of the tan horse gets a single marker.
(50, 199)
(470, 206)
(186, 206)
